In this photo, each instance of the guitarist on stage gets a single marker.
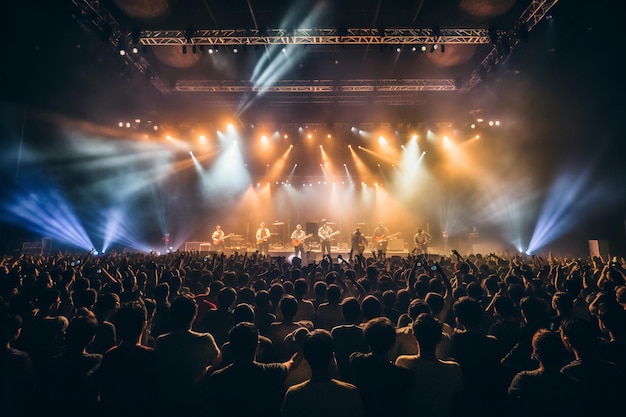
(422, 238)
(218, 239)
(324, 233)
(359, 243)
(297, 238)
(263, 239)
(381, 236)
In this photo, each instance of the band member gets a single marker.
(218, 239)
(263, 239)
(325, 232)
(422, 238)
(381, 236)
(359, 243)
(297, 238)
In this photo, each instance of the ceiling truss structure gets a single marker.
(107, 24)
(318, 86)
(536, 11)
(328, 36)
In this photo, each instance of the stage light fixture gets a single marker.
(194, 49)
(423, 48)
(433, 47)
(493, 34)
(443, 48)
(135, 34)
(398, 49)
(189, 33)
(184, 49)
(121, 45)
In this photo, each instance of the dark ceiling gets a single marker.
(66, 59)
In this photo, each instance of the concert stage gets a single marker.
(286, 252)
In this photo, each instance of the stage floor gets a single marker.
(286, 252)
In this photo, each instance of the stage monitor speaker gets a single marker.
(311, 229)
(194, 246)
(396, 244)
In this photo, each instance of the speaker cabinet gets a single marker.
(396, 244)
(311, 229)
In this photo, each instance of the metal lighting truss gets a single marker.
(317, 86)
(329, 36)
(105, 22)
(530, 17)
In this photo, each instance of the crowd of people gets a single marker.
(248, 334)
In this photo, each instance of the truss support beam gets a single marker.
(318, 86)
(102, 20)
(536, 11)
(329, 36)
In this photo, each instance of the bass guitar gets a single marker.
(222, 239)
(298, 242)
(384, 238)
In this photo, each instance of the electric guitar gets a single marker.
(383, 238)
(263, 239)
(331, 235)
(221, 240)
(298, 242)
(421, 246)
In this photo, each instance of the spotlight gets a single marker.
(493, 34)
(135, 50)
(522, 32)
(398, 49)
(189, 33)
(235, 50)
(433, 47)
(436, 32)
(423, 48)
(414, 49)
(135, 34)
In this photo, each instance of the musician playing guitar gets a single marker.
(422, 238)
(218, 239)
(325, 232)
(359, 243)
(297, 238)
(381, 236)
(263, 239)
